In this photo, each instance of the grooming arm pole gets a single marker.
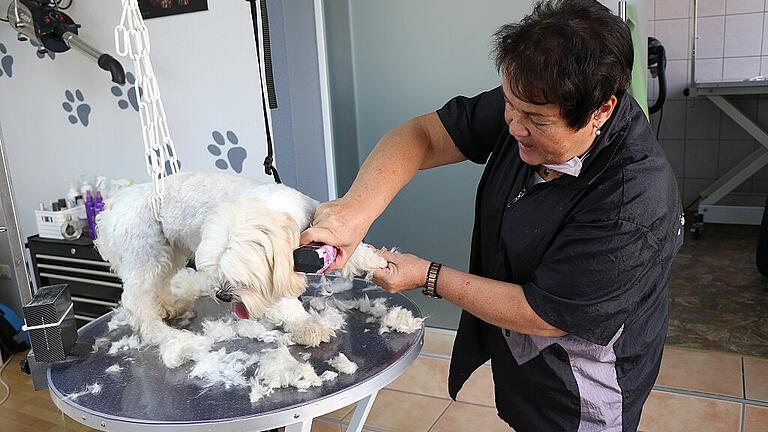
(12, 227)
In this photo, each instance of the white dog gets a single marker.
(241, 234)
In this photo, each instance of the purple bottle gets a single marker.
(90, 214)
(98, 204)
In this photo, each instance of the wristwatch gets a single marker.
(430, 286)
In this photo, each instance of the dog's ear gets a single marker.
(251, 245)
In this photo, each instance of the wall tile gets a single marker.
(744, 6)
(673, 122)
(741, 68)
(677, 78)
(702, 120)
(765, 34)
(728, 128)
(764, 66)
(666, 9)
(675, 152)
(732, 152)
(708, 70)
(760, 186)
(673, 34)
(711, 37)
(742, 35)
(711, 7)
(692, 188)
(762, 112)
(701, 158)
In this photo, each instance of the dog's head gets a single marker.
(247, 248)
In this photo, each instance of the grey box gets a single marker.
(51, 307)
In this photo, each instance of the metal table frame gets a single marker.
(295, 420)
(709, 210)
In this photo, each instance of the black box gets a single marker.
(51, 307)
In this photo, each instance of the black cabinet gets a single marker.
(94, 288)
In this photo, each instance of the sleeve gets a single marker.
(475, 124)
(592, 277)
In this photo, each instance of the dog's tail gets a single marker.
(250, 246)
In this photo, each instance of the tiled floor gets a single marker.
(696, 391)
(718, 299)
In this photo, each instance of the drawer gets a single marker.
(64, 249)
(91, 308)
(109, 291)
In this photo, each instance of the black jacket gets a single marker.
(593, 254)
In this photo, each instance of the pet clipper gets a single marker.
(314, 258)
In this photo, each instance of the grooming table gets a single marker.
(147, 396)
(715, 206)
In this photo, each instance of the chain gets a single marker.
(132, 40)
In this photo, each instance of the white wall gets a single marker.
(208, 75)
(207, 71)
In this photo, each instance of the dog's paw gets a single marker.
(312, 333)
(176, 308)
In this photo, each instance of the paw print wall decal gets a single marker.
(227, 151)
(79, 111)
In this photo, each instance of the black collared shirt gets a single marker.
(593, 255)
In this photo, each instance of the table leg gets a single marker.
(302, 426)
(361, 413)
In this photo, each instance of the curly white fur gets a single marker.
(241, 234)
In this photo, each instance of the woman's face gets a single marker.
(542, 135)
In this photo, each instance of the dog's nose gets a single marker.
(224, 296)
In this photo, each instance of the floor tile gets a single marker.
(341, 413)
(673, 412)
(462, 417)
(479, 388)
(404, 412)
(438, 342)
(695, 370)
(756, 378)
(427, 376)
(322, 426)
(755, 419)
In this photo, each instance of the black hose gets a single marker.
(657, 61)
(111, 65)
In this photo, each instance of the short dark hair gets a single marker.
(572, 53)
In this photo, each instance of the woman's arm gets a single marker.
(419, 143)
(499, 303)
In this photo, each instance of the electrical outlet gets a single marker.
(5, 271)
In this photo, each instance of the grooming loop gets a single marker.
(132, 40)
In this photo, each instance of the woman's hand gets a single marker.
(403, 272)
(339, 223)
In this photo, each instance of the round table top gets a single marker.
(146, 395)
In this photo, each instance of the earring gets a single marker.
(597, 130)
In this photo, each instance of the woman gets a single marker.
(577, 220)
